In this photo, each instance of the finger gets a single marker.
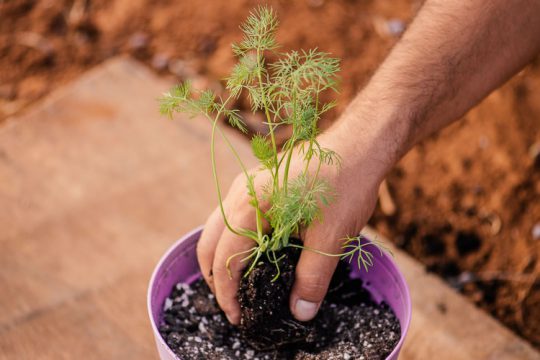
(206, 246)
(230, 250)
(313, 274)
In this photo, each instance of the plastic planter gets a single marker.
(179, 264)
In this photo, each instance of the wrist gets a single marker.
(369, 141)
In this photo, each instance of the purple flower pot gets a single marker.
(179, 264)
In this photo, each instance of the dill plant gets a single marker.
(288, 92)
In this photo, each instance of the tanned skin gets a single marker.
(453, 55)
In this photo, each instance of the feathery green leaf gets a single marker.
(172, 100)
(235, 120)
(263, 151)
(287, 91)
(259, 32)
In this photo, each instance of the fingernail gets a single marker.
(305, 310)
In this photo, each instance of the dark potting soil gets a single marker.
(350, 325)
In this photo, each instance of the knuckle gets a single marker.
(219, 272)
(239, 183)
(226, 272)
(204, 257)
(311, 287)
(242, 213)
(216, 217)
(202, 248)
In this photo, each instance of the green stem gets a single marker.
(303, 247)
(313, 181)
(258, 253)
(286, 172)
(258, 219)
(241, 232)
(227, 141)
(255, 199)
(313, 128)
(268, 119)
(291, 147)
(216, 178)
(229, 259)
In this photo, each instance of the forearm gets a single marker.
(453, 55)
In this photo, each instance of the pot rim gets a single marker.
(152, 282)
(172, 248)
(406, 292)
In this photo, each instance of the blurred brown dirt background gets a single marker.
(467, 200)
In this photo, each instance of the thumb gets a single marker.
(312, 278)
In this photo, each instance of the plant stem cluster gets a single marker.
(288, 93)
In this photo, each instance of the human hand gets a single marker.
(355, 184)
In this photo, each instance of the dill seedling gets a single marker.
(287, 92)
